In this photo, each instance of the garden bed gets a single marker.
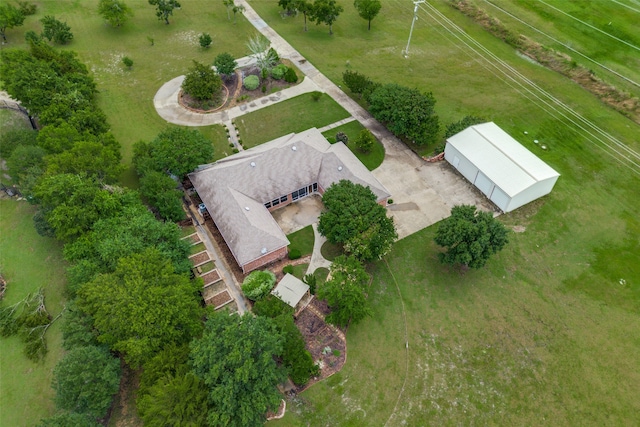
(210, 277)
(219, 300)
(200, 258)
(193, 239)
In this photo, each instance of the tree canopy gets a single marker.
(470, 236)
(225, 63)
(55, 30)
(164, 8)
(235, 359)
(367, 9)
(177, 151)
(406, 112)
(345, 292)
(160, 192)
(354, 219)
(142, 306)
(325, 12)
(115, 12)
(85, 381)
(10, 17)
(67, 419)
(258, 284)
(202, 82)
(460, 125)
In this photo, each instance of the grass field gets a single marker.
(373, 158)
(28, 262)
(293, 115)
(546, 333)
(126, 96)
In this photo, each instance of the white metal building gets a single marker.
(499, 166)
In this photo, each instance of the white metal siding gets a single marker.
(483, 183)
(500, 198)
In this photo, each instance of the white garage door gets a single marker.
(483, 183)
(500, 198)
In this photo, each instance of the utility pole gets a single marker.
(405, 52)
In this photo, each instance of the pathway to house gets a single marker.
(423, 193)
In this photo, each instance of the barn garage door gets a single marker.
(483, 183)
(500, 198)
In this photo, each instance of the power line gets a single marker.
(591, 26)
(563, 44)
(627, 6)
(614, 148)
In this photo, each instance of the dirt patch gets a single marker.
(519, 228)
(210, 277)
(219, 299)
(326, 344)
(123, 412)
(193, 239)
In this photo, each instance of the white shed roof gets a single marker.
(501, 158)
(290, 290)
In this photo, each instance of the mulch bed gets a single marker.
(318, 336)
(210, 277)
(200, 258)
(210, 291)
(219, 299)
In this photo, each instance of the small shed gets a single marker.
(499, 166)
(291, 290)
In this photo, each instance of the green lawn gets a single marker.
(218, 137)
(371, 159)
(302, 240)
(28, 262)
(330, 251)
(300, 270)
(542, 334)
(293, 115)
(126, 96)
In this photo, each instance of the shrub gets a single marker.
(342, 137)
(264, 88)
(128, 62)
(235, 151)
(459, 126)
(205, 40)
(357, 83)
(27, 8)
(365, 140)
(316, 95)
(271, 306)
(311, 280)
(56, 30)
(251, 82)
(290, 76)
(202, 82)
(288, 269)
(273, 55)
(278, 72)
(225, 63)
(258, 284)
(294, 253)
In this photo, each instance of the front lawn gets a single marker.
(302, 240)
(293, 115)
(371, 159)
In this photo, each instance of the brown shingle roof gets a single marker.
(256, 176)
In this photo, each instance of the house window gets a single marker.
(283, 199)
(276, 202)
(267, 205)
(302, 192)
(294, 195)
(315, 186)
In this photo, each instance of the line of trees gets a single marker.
(327, 11)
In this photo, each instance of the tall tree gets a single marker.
(235, 359)
(305, 7)
(86, 380)
(325, 12)
(164, 8)
(367, 9)
(92, 158)
(10, 17)
(354, 219)
(160, 192)
(175, 401)
(56, 30)
(470, 236)
(229, 5)
(115, 12)
(345, 292)
(177, 151)
(143, 306)
(406, 112)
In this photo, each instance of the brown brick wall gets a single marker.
(268, 258)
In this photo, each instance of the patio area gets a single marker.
(300, 214)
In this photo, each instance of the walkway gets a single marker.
(317, 260)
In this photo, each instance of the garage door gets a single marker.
(500, 198)
(483, 183)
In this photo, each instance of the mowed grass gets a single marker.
(371, 159)
(546, 332)
(218, 137)
(302, 240)
(126, 96)
(293, 115)
(28, 262)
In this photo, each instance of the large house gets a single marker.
(239, 191)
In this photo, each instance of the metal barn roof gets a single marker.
(501, 158)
